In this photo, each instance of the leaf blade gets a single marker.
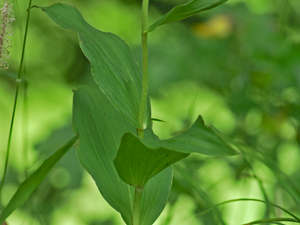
(184, 11)
(138, 160)
(98, 147)
(113, 66)
(32, 182)
(136, 163)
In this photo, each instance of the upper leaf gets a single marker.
(184, 11)
(114, 69)
(100, 128)
(138, 159)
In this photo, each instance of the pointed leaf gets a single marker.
(114, 69)
(100, 128)
(184, 11)
(32, 182)
(140, 159)
(198, 139)
(136, 163)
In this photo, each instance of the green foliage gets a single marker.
(98, 148)
(136, 163)
(184, 11)
(236, 66)
(140, 159)
(119, 78)
(113, 66)
(32, 182)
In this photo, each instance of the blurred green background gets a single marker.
(237, 65)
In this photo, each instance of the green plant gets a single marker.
(130, 165)
(105, 119)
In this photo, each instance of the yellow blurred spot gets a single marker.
(219, 26)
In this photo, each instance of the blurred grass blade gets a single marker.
(286, 182)
(273, 220)
(254, 200)
(184, 11)
(33, 181)
(261, 187)
(193, 189)
(100, 128)
(140, 159)
(114, 69)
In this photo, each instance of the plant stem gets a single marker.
(140, 131)
(16, 100)
(144, 96)
(136, 205)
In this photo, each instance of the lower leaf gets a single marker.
(100, 128)
(32, 182)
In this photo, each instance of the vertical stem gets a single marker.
(16, 99)
(143, 103)
(136, 205)
(144, 96)
(25, 131)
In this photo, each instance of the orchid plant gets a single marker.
(130, 165)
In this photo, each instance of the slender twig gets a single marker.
(16, 99)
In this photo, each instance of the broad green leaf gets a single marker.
(184, 11)
(136, 163)
(114, 69)
(32, 182)
(140, 159)
(100, 128)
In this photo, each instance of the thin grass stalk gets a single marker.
(16, 100)
(25, 131)
(201, 193)
(273, 221)
(261, 186)
(250, 199)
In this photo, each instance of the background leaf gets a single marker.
(31, 183)
(184, 11)
(100, 128)
(114, 69)
(139, 159)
